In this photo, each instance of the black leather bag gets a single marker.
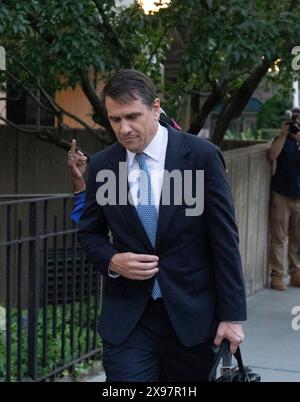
(229, 373)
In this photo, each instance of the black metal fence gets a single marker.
(49, 293)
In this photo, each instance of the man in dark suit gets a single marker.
(173, 283)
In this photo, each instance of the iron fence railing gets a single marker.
(49, 293)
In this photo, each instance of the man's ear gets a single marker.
(156, 108)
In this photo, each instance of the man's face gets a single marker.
(134, 123)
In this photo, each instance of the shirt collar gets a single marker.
(153, 149)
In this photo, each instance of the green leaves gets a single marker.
(57, 39)
(228, 42)
(53, 344)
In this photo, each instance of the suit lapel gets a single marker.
(177, 150)
(128, 210)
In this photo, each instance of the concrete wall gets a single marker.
(249, 173)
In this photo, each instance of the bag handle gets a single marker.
(225, 354)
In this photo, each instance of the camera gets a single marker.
(291, 116)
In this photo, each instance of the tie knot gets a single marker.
(141, 160)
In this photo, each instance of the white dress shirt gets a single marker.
(156, 152)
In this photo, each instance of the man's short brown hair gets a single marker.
(128, 85)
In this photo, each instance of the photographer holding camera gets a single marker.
(285, 203)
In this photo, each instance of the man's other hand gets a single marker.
(231, 331)
(134, 266)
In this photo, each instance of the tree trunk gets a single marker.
(239, 100)
(214, 98)
(94, 100)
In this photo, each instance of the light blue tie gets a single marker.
(146, 210)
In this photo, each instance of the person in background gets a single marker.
(285, 204)
(77, 163)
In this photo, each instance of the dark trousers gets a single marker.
(153, 352)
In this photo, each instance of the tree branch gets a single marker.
(94, 99)
(111, 35)
(19, 128)
(45, 135)
(59, 142)
(56, 108)
(213, 83)
(156, 47)
(239, 100)
(27, 90)
(214, 98)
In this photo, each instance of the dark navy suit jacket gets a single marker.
(200, 274)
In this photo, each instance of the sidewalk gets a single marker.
(271, 347)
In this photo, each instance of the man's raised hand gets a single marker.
(77, 161)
